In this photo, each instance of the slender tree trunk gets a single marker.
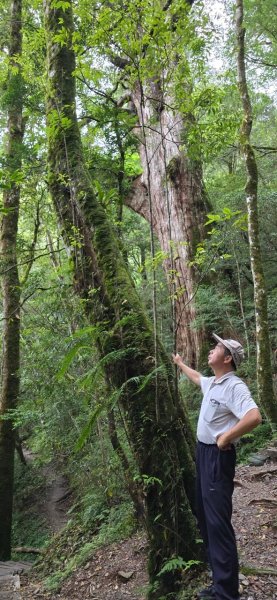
(10, 283)
(264, 370)
(170, 195)
(163, 447)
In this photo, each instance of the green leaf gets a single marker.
(177, 563)
(150, 376)
(87, 429)
(69, 357)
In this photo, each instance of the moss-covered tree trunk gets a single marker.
(157, 425)
(10, 281)
(264, 370)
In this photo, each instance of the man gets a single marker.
(227, 412)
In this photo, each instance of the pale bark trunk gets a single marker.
(264, 370)
(170, 195)
(10, 286)
(161, 447)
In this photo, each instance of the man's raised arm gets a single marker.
(193, 375)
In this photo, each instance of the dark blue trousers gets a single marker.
(215, 485)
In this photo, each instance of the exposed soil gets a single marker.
(255, 521)
(56, 501)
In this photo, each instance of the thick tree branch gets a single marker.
(137, 198)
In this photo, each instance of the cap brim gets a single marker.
(218, 339)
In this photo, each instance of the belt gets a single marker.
(203, 444)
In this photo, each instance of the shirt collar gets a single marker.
(223, 377)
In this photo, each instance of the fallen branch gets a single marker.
(28, 550)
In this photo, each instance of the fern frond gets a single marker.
(147, 378)
(110, 358)
(93, 331)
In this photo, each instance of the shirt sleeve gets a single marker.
(205, 383)
(241, 400)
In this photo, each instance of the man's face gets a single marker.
(217, 357)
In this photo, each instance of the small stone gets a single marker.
(243, 580)
(125, 575)
(256, 460)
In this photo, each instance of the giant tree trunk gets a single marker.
(170, 195)
(10, 284)
(157, 425)
(264, 370)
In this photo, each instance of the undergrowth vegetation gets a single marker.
(76, 543)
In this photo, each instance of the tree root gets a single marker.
(263, 501)
(263, 472)
(252, 570)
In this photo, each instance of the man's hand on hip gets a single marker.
(222, 442)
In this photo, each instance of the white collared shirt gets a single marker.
(225, 402)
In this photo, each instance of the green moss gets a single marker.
(173, 170)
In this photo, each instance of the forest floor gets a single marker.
(118, 571)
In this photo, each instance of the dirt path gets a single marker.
(54, 505)
(10, 588)
(118, 571)
(55, 500)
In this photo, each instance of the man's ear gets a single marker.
(228, 358)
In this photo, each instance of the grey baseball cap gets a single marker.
(234, 347)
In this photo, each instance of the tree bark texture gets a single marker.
(170, 195)
(264, 370)
(158, 428)
(10, 282)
